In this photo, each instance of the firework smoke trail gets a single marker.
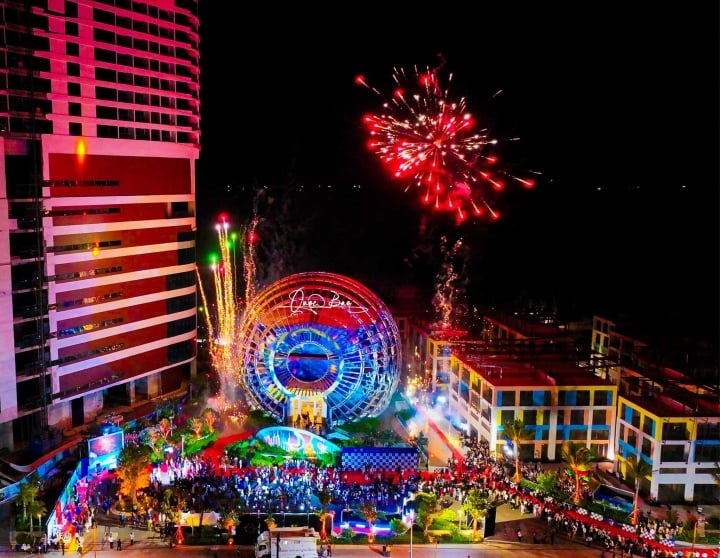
(222, 335)
(427, 139)
(249, 263)
(449, 285)
(225, 353)
(224, 323)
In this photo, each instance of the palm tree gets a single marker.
(324, 497)
(578, 458)
(547, 482)
(476, 506)
(29, 489)
(37, 509)
(210, 417)
(427, 507)
(368, 510)
(132, 470)
(516, 432)
(196, 425)
(637, 468)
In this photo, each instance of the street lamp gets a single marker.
(411, 517)
(95, 540)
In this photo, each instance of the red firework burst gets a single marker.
(430, 141)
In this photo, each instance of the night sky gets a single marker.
(615, 105)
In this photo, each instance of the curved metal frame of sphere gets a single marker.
(319, 333)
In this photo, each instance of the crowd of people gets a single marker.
(201, 482)
(224, 484)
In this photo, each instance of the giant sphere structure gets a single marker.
(319, 336)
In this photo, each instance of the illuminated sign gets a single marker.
(296, 440)
(300, 302)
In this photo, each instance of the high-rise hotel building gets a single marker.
(99, 135)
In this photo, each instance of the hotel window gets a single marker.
(599, 417)
(74, 109)
(107, 131)
(72, 29)
(125, 96)
(180, 351)
(506, 399)
(649, 426)
(141, 63)
(632, 438)
(72, 49)
(109, 113)
(529, 418)
(708, 431)
(141, 81)
(73, 69)
(140, 44)
(73, 89)
(583, 397)
(577, 417)
(526, 398)
(75, 129)
(104, 36)
(578, 435)
(675, 431)
(706, 453)
(602, 397)
(507, 417)
(632, 416)
(672, 453)
(140, 26)
(103, 16)
(646, 446)
(485, 413)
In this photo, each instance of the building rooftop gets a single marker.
(540, 370)
(675, 403)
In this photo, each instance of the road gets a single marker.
(490, 549)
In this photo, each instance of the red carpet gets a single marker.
(217, 449)
(456, 453)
